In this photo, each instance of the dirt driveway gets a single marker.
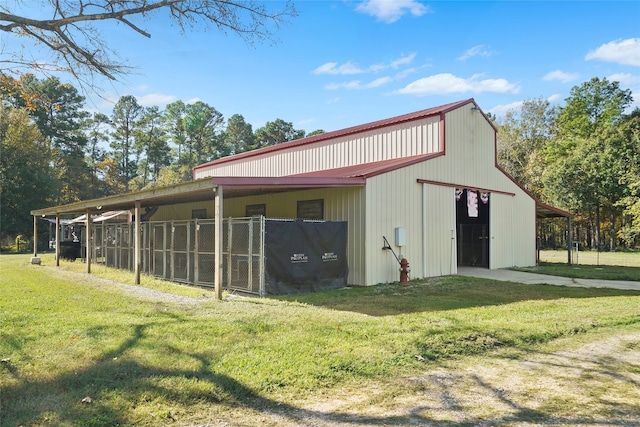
(597, 384)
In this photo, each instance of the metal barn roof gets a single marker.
(429, 112)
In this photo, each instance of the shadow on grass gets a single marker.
(119, 385)
(441, 294)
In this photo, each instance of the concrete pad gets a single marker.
(534, 278)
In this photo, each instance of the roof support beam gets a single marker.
(34, 258)
(569, 242)
(35, 236)
(217, 272)
(136, 243)
(87, 221)
(470, 187)
(57, 240)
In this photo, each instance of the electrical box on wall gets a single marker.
(401, 236)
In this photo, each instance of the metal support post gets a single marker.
(217, 272)
(136, 243)
(88, 239)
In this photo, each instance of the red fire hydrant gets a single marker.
(404, 270)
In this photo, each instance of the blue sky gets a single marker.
(344, 63)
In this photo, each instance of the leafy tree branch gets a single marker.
(79, 49)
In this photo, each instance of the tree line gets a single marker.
(583, 156)
(55, 152)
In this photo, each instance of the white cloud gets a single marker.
(358, 85)
(553, 98)
(350, 68)
(479, 50)
(333, 68)
(404, 73)
(391, 10)
(562, 76)
(354, 84)
(502, 109)
(625, 79)
(403, 60)
(447, 83)
(379, 82)
(625, 52)
(155, 99)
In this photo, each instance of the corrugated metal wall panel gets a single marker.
(383, 144)
(394, 200)
(440, 233)
(512, 230)
(182, 211)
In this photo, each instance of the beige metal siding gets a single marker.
(182, 211)
(470, 160)
(394, 200)
(512, 231)
(407, 139)
(440, 232)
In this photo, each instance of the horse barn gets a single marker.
(335, 209)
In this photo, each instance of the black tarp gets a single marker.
(305, 256)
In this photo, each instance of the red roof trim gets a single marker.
(441, 110)
(287, 182)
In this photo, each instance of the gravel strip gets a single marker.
(140, 291)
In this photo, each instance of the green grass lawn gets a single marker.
(145, 362)
(593, 258)
(604, 266)
(584, 271)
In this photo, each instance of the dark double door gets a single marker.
(472, 233)
(473, 245)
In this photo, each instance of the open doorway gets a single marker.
(472, 223)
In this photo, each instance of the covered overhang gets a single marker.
(544, 211)
(547, 211)
(250, 186)
(177, 193)
(208, 189)
(196, 191)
